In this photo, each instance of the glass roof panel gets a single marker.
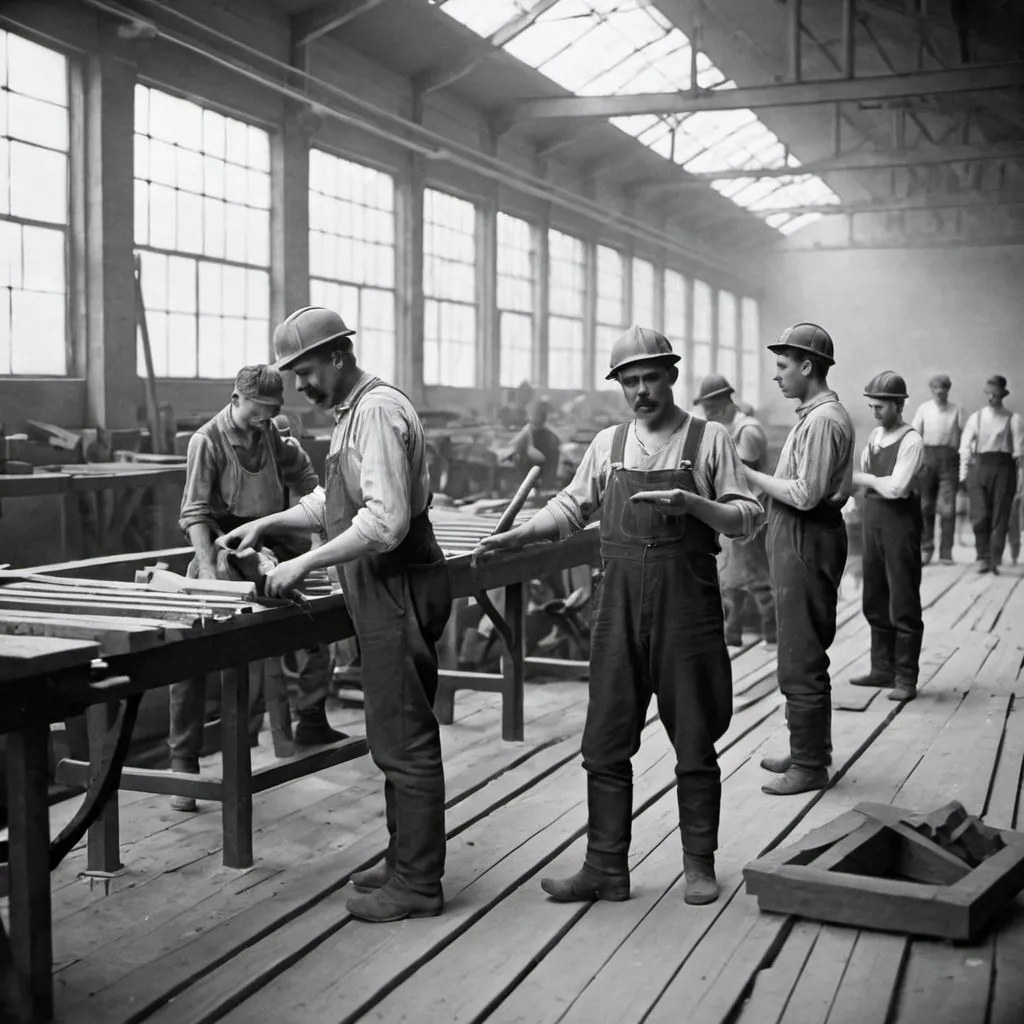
(618, 47)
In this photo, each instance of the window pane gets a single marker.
(644, 314)
(517, 280)
(702, 323)
(38, 333)
(675, 308)
(750, 325)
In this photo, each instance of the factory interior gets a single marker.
(485, 212)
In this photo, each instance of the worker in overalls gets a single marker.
(807, 547)
(372, 516)
(666, 484)
(743, 564)
(892, 523)
(240, 468)
(992, 465)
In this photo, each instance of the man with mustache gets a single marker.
(372, 516)
(807, 547)
(665, 485)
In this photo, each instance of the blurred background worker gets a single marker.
(537, 445)
(991, 451)
(940, 423)
(743, 562)
(891, 596)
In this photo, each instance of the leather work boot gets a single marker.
(187, 804)
(903, 692)
(982, 567)
(586, 885)
(781, 765)
(797, 780)
(871, 680)
(313, 729)
(394, 901)
(701, 886)
(373, 878)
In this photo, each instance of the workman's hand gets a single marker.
(670, 502)
(285, 577)
(508, 541)
(206, 571)
(241, 537)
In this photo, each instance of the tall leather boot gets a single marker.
(380, 874)
(313, 729)
(810, 752)
(883, 661)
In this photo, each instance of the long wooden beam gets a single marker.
(925, 201)
(316, 21)
(788, 94)
(959, 242)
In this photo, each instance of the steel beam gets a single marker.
(924, 201)
(322, 18)
(929, 242)
(789, 94)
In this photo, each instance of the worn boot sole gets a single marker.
(902, 694)
(781, 765)
(582, 895)
(870, 681)
(368, 881)
(186, 804)
(793, 783)
(698, 896)
(365, 908)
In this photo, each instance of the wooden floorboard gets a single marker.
(181, 940)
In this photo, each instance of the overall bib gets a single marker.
(399, 603)
(892, 576)
(991, 485)
(657, 628)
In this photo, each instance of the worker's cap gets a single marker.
(714, 385)
(807, 338)
(886, 385)
(998, 381)
(639, 345)
(305, 330)
(940, 380)
(260, 383)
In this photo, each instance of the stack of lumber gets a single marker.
(459, 532)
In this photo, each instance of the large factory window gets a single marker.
(752, 355)
(517, 278)
(727, 336)
(33, 208)
(644, 313)
(352, 253)
(202, 224)
(449, 290)
(702, 329)
(611, 310)
(675, 316)
(567, 297)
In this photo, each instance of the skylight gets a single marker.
(618, 47)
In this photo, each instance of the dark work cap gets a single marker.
(808, 338)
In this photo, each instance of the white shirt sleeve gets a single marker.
(918, 422)
(968, 440)
(1017, 434)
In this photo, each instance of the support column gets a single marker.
(113, 391)
(543, 299)
(590, 239)
(489, 333)
(410, 339)
(714, 329)
(689, 375)
(659, 293)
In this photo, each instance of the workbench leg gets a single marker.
(513, 663)
(28, 866)
(104, 834)
(237, 793)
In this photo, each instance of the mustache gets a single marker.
(644, 404)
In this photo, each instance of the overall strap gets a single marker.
(694, 436)
(619, 445)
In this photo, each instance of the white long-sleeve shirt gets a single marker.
(939, 427)
(991, 430)
(909, 460)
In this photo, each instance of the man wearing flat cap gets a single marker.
(991, 453)
(940, 423)
(372, 516)
(239, 467)
(807, 547)
(743, 563)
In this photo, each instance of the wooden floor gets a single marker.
(179, 938)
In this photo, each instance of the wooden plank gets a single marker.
(23, 657)
(812, 998)
(236, 792)
(80, 589)
(87, 606)
(867, 989)
(113, 635)
(942, 982)
(774, 984)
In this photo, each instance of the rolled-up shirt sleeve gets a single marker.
(821, 448)
(384, 477)
(296, 466)
(573, 506)
(314, 505)
(202, 474)
(725, 480)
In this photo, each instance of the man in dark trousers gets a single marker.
(807, 551)
(743, 564)
(889, 467)
(939, 422)
(665, 484)
(991, 453)
(372, 516)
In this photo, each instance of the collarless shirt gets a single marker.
(938, 427)
(909, 458)
(989, 431)
(817, 458)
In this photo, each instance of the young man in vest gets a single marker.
(940, 423)
(372, 516)
(991, 452)
(807, 547)
(743, 564)
(239, 468)
(665, 484)
(891, 596)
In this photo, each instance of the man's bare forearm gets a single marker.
(775, 487)
(200, 536)
(722, 518)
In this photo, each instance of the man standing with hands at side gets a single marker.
(807, 548)
(666, 484)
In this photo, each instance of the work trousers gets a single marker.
(641, 645)
(991, 485)
(1013, 532)
(892, 587)
(938, 483)
(399, 613)
(807, 554)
